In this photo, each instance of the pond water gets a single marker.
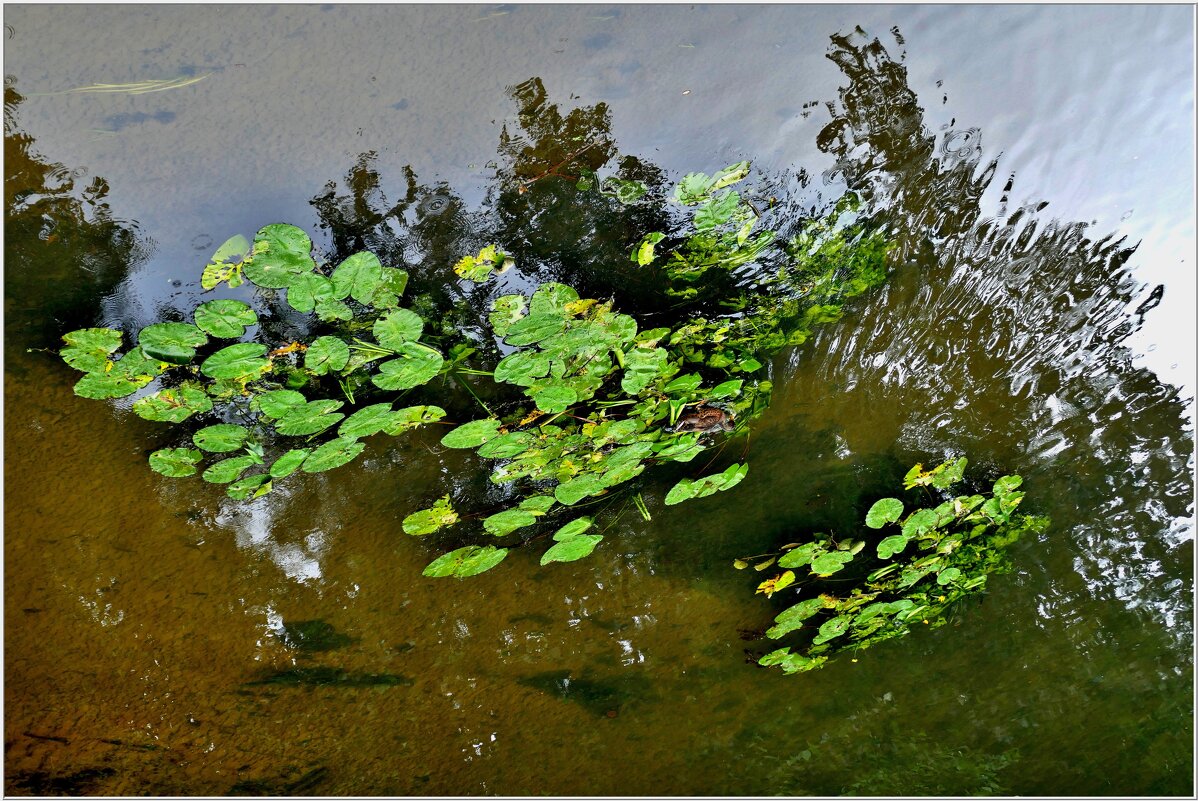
(162, 639)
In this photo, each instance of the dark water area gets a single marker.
(163, 639)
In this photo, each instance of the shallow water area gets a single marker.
(162, 639)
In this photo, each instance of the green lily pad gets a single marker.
(410, 417)
(555, 398)
(892, 545)
(328, 311)
(887, 510)
(173, 405)
(289, 462)
(171, 342)
(465, 562)
(472, 434)
(326, 354)
(415, 364)
(803, 555)
(919, 522)
(832, 629)
(99, 386)
(794, 617)
(88, 349)
(522, 368)
(505, 311)
(552, 298)
(538, 504)
(254, 486)
(367, 421)
(507, 521)
(237, 362)
(426, 521)
(226, 318)
(686, 489)
(308, 290)
(277, 402)
(175, 462)
(948, 575)
(572, 549)
(641, 367)
(534, 328)
(573, 528)
(508, 445)
(220, 438)
(574, 490)
(397, 327)
(358, 277)
(227, 470)
(282, 253)
(479, 268)
(332, 454)
(1007, 484)
(829, 563)
(310, 418)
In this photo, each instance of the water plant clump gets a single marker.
(573, 398)
(931, 558)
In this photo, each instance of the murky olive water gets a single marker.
(162, 639)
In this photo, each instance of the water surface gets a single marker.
(162, 639)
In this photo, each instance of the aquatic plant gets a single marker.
(580, 398)
(938, 555)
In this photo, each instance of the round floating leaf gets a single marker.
(393, 282)
(641, 367)
(254, 486)
(358, 277)
(505, 311)
(832, 629)
(830, 563)
(277, 402)
(622, 473)
(235, 248)
(793, 617)
(507, 521)
(948, 575)
(326, 354)
(88, 349)
(552, 298)
(887, 510)
(415, 364)
(220, 438)
(803, 555)
(919, 522)
(99, 386)
(226, 319)
(175, 462)
(472, 434)
(578, 488)
(411, 417)
(310, 418)
(465, 562)
(555, 398)
(333, 453)
(572, 548)
(538, 504)
(573, 528)
(1007, 484)
(173, 405)
(534, 328)
(397, 327)
(289, 462)
(506, 446)
(426, 521)
(281, 254)
(892, 545)
(329, 310)
(367, 421)
(522, 368)
(227, 470)
(171, 342)
(308, 290)
(236, 362)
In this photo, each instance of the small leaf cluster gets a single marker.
(937, 556)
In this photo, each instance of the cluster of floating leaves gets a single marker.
(939, 556)
(605, 399)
